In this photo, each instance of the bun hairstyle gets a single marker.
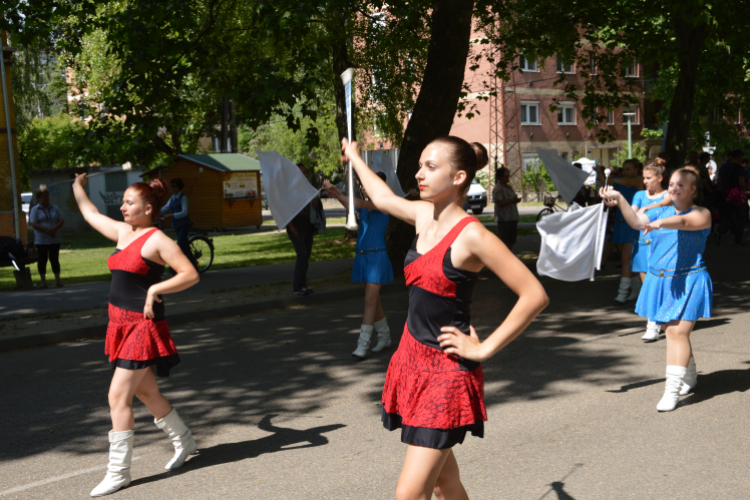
(463, 156)
(152, 193)
(662, 159)
(691, 173)
(655, 168)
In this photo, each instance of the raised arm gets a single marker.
(335, 192)
(383, 198)
(615, 198)
(487, 249)
(665, 202)
(697, 219)
(110, 228)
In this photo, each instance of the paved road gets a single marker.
(281, 411)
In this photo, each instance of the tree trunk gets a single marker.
(690, 39)
(435, 108)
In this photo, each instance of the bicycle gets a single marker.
(201, 246)
(550, 207)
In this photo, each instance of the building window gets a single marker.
(632, 70)
(562, 66)
(630, 115)
(527, 64)
(529, 112)
(566, 113)
(610, 117)
(116, 182)
(114, 212)
(592, 64)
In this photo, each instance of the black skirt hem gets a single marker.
(162, 365)
(438, 439)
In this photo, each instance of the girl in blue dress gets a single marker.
(677, 290)
(372, 268)
(624, 236)
(654, 193)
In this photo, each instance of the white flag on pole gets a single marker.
(287, 190)
(572, 243)
(567, 179)
(381, 162)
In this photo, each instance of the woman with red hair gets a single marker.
(138, 342)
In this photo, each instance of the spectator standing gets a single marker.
(301, 231)
(506, 208)
(178, 208)
(733, 199)
(47, 220)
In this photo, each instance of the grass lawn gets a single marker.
(83, 257)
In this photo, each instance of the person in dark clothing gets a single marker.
(733, 197)
(301, 231)
(177, 206)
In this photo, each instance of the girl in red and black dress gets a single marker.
(138, 344)
(434, 389)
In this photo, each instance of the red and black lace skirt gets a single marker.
(134, 342)
(430, 397)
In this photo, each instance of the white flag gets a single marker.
(381, 162)
(567, 179)
(572, 243)
(287, 190)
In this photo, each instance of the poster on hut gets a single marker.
(241, 185)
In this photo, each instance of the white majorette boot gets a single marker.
(652, 332)
(624, 292)
(384, 335)
(691, 378)
(635, 288)
(182, 438)
(118, 469)
(364, 342)
(675, 374)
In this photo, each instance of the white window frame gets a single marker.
(562, 112)
(525, 64)
(524, 116)
(632, 70)
(610, 117)
(562, 67)
(632, 109)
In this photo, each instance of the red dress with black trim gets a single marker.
(434, 397)
(134, 341)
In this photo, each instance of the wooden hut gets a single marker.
(223, 189)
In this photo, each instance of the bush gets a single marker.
(649, 134)
(536, 178)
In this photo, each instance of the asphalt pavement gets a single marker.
(281, 410)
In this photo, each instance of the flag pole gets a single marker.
(346, 78)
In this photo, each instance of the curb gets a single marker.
(99, 331)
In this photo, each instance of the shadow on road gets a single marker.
(636, 385)
(282, 439)
(718, 383)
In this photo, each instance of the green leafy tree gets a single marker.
(687, 40)
(639, 153)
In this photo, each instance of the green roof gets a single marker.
(225, 162)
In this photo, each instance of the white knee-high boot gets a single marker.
(652, 332)
(624, 292)
(691, 378)
(181, 436)
(384, 335)
(118, 469)
(365, 334)
(635, 288)
(675, 375)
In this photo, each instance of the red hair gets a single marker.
(152, 193)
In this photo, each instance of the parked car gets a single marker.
(26, 204)
(477, 198)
